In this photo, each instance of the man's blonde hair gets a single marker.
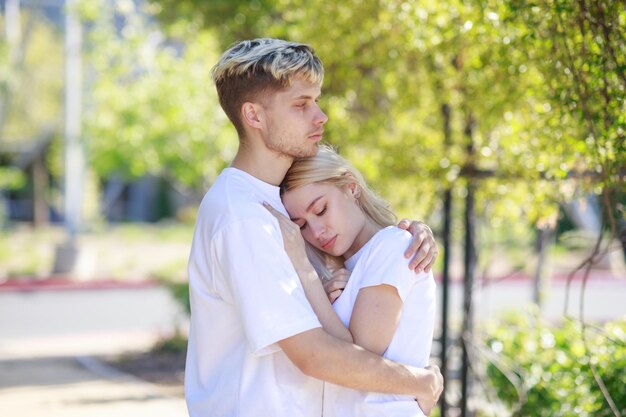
(328, 167)
(249, 69)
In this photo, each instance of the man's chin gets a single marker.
(305, 152)
(313, 150)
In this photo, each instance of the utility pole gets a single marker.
(13, 34)
(74, 156)
(12, 27)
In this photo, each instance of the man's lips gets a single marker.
(328, 243)
(317, 135)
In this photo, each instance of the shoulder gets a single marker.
(384, 263)
(390, 240)
(387, 248)
(230, 205)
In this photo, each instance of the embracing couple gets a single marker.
(303, 299)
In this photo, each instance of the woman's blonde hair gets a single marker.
(328, 167)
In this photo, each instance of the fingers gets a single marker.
(426, 406)
(283, 220)
(338, 281)
(422, 249)
(420, 233)
(332, 297)
(334, 285)
(428, 402)
(341, 274)
(440, 381)
(404, 224)
(273, 211)
(428, 261)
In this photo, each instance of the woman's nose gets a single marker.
(318, 229)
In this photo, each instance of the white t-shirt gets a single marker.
(245, 296)
(381, 261)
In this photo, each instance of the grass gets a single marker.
(121, 251)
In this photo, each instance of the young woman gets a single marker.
(385, 307)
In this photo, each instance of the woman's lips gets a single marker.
(328, 243)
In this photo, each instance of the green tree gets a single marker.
(151, 108)
(31, 81)
(538, 83)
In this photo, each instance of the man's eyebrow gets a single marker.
(293, 219)
(307, 97)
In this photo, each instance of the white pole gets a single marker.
(12, 26)
(74, 157)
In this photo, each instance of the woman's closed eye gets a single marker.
(322, 211)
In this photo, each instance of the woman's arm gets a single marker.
(312, 285)
(375, 317)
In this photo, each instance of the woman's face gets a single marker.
(329, 217)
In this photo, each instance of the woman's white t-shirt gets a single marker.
(381, 261)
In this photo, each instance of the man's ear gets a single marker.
(252, 114)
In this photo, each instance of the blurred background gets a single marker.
(499, 123)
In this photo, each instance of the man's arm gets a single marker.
(320, 355)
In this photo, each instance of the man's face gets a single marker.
(294, 123)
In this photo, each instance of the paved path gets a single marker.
(50, 340)
(68, 387)
(604, 298)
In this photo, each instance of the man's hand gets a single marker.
(423, 247)
(427, 400)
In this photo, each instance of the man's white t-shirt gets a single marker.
(245, 296)
(381, 261)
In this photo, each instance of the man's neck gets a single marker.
(265, 165)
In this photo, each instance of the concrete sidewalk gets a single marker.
(51, 339)
(71, 386)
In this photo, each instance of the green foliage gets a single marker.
(180, 292)
(31, 78)
(153, 109)
(11, 178)
(176, 344)
(500, 66)
(546, 371)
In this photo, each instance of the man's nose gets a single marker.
(320, 117)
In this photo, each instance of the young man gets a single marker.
(256, 346)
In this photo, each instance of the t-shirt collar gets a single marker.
(350, 263)
(268, 192)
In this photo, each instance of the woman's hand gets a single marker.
(292, 238)
(423, 247)
(334, 286)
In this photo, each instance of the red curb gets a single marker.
(64, 283)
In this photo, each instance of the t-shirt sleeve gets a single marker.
(385, 263)
(263, 284)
